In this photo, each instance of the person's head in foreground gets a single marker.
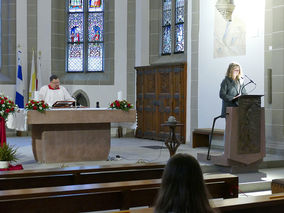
(182, 189)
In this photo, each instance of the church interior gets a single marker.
(166, 59)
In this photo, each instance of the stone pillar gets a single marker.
(274, 76)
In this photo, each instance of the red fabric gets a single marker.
(11, 167)
(52, 88)
(2, 131)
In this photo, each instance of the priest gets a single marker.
(54, 92)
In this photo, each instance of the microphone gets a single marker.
(250, 80)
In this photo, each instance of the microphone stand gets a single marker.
(246, 85)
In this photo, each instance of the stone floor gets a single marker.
(134, 150)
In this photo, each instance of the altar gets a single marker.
(72, 135)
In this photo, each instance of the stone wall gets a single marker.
(274, 76)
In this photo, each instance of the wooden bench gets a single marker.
(261, 204)
(227, 187)
(100, 196)
(200, 137)
(79, 175)
(255, 204)
(277, 186)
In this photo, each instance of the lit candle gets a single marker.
(36, 95)
(119, 95)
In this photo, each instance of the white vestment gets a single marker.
(50, 96)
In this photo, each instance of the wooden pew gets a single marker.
(277, 185)
(95, 197)
(80, 198)
(79, 175)
(220, 185)
(255, 204)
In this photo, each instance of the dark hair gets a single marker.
(183, 189)
(52, 77)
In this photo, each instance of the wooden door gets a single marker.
(161, 92)
(164, 99)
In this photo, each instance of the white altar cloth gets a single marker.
(18, 120)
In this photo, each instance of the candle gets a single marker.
(119, 95)
(36, 95)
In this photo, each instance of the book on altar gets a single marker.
(64, 104)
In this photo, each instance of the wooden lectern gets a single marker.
(244, 135)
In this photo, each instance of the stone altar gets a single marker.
(72, 135)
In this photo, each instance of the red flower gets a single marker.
(5, 98)
(34, 107)
(7, 110)
(117, 103)
(111, 105)
(2, 101)
(128, 105)
(12, 109)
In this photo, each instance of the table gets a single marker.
(72, 135)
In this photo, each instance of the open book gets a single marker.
(64, 104)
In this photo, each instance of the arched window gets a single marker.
(170, 13)
(166, 27)
(179, 26)
(85, 36)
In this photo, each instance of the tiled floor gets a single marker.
(134, 150)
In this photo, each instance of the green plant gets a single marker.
(8, 153)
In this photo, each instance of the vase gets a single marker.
(4, 164)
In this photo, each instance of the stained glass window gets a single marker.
(76, 6)
(85, 41)
(179, 26)
(96, 6)
(170, 31)
(76, 27)
(166, 27)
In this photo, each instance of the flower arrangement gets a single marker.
(123, 105)
(40, 106)
(7, 106)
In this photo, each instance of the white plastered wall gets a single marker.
(212, 71)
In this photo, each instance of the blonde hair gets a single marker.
(230, 69)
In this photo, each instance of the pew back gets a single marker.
(79, 175)
(255, 204)
(94, 197)
(219, 185)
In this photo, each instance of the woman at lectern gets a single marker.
(183, 189)
(232, 87)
